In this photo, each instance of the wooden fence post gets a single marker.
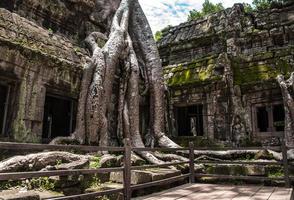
(191, 163)
(285, 163)
(127, 170)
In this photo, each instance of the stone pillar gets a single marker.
(27, 127)
(210, 115)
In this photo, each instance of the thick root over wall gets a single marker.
(129, 47)
(63, 160)
(55, 160)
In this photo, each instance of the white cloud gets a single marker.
(161, 13)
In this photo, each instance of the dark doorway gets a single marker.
(279, 117)
(3, 108)
(262, 119)
(59, 117)
(190, 120)
(144, 119)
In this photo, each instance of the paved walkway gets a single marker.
(221, 192)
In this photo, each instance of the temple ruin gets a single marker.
(220, 71)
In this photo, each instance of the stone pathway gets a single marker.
(221, 192)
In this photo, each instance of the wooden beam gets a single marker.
(36, 174)
(42, 147)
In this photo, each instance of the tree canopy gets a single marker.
(266, 4)
(207, 8)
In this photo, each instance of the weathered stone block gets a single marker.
(137, 177)
(145, 176)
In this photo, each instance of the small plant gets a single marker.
(275, 172)
(58, 162)
(41, 183)
(95, 162)
(95, 182)
(5, 185)
(50, 31)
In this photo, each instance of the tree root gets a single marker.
(98, 80)
(44, 161)
(170, 157)
(71, 140)
(287, 88)
(233, 154)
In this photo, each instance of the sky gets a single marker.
(161, 13)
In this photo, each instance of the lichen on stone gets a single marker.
(197, 71)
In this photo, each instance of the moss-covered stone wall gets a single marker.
(72, 18)
(259, 46)
(33, 61)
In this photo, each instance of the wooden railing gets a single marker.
(127, 167)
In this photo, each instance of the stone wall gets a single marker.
(33, 61)
(259, 46)
(75, 19)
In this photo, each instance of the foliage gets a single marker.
(95, 182)
(207, 8)
(266, 4)
(44, 183)
(5, 185)
(275, 172)
(95, 162)
(159, 34)
(248, 8)
(261, 4)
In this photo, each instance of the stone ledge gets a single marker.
(22, 32)
(145, 176)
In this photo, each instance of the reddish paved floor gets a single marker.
(221, 192)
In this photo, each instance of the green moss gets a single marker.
(263, 56)
(200, 70)
(252, 72)
(206, 73)
(261, 67)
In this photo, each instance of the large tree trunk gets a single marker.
(99, 76)
(147, 48)
(287, 88)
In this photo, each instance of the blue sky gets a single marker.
(162, 13)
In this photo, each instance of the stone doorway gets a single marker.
(59, 117)
(270, 118)
(190, 120)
